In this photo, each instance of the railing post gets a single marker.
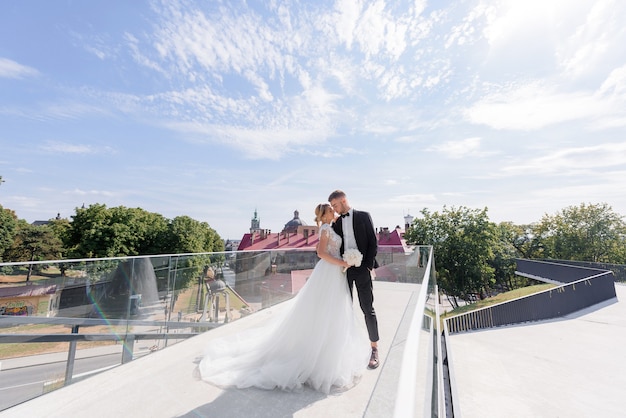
(129, 346)
(71, 356)
(205, 306)
(217, 307)
(227, 299)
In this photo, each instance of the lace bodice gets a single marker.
(334, 240)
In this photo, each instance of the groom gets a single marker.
(357, 230)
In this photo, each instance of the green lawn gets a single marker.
(502, 297)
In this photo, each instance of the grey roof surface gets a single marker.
(570, 367)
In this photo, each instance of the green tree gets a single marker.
(141, 232)
(8, 229)
(87, 236)
(512, 241)
(588, 232)
(35, 243)
(61, 228)
(528, 240)
(98, 231)
(187, 235)
(463, 241)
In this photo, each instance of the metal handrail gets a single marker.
(486, 317)
(8, 321)
(64, 338)
(128, 339)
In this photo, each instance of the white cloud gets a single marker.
(27, 202)
(344, 20)
(55, 110)
(537, 105)
(12, 69)
(458, 149)
(571, 161)
(75, 109)
(66, 148)
(96, 193)
(370, 30)
(468, 31)
(615, 84)
(559, 40)
(271, 144)
(413, 198)
(133, 44)
(510, 19)
(594, 38)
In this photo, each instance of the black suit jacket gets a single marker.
(365, 237)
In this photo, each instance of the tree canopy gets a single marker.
(473, 255)
(463, 241)
(8, 228)
(588, 232)
(98, 231)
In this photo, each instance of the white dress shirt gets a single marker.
(348, 231)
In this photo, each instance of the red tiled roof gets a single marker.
(392, 238)
(277, 241)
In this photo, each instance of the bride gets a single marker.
(316, 341)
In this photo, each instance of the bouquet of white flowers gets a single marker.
(352, 257)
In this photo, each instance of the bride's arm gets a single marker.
(323, 253)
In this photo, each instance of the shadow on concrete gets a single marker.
(257, 403)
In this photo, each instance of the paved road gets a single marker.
(20, 384)
(24, 378)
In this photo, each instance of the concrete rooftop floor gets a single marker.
(166, 383)
(571, 367)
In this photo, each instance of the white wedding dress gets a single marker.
(316, 341)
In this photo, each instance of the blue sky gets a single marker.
(216, 109)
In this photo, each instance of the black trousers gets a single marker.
(361, 278)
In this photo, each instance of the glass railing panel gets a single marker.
(172, 287)
(419, 388)
(174, 294)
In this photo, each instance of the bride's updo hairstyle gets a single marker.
(319, 212)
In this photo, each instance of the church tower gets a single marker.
(292, 225)
(255, 223)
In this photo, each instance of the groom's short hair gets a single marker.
(337, 194)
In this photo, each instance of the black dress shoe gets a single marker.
(373, 359)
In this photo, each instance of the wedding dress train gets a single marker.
(316, 341)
